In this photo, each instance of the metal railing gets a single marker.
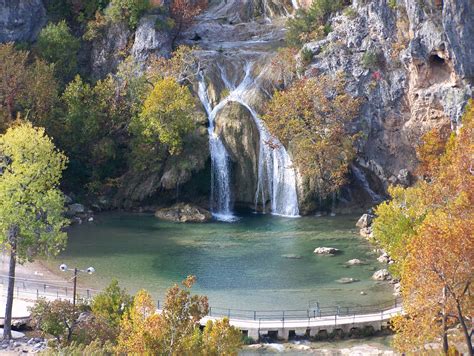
(32, 289)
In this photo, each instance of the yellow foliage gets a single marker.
(428, 229)
(167, 115)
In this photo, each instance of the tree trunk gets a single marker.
(7, 328)
(445, 335)
(464, 329)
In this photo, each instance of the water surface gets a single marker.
(260, 262)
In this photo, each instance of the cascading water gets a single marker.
(236, 49)
(276, 175)
(220, 172)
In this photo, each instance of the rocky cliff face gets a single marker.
(21, 20)
(412, 63)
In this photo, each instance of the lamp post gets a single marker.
(75, 270)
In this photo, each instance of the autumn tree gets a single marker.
(166, 116)
(25, 87)
(129, 11)
(312, 118)
(31, 213)
(284, 63)
(431, 238)
(183, 13)
(172, 332)
(220, 338)
(183, 66)
(57, 318)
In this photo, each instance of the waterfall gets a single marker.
(276, 174)
(220, 171)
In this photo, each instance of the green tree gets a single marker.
(56, 44)
(166, 116)
(31, 213)
(112, 304)
(312, 118)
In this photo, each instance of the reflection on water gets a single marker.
(258, 262)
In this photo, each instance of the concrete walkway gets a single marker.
(284, 328)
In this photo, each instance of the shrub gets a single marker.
(372, 59)
(350, 12)
(128, 11)
(311, 24)
(306, 55)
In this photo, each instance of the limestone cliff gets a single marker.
(421, 77)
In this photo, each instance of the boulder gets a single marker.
(382, 275)
(366, 232)
(183, 212)
(239, 133)
(326, 250)
(384, 258)
(364, 221)
(404, 177)
(21, 20)
(150, 39)
(76, 208)
(397, 289)
(354, 262)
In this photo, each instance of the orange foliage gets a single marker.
(183, 13)
(438, 271)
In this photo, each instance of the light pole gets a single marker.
(64, 268)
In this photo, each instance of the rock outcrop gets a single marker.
(237, 129)
(182, 212)
(21, 20)
(108, 49)
(150, 39)
(412, 63)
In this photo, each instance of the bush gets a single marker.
(372, 59)
(312, 24)
(128, 11)
(350, 12)
(57, 45)
(306, 55)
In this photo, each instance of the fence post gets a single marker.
(210, 311)
(158, 305)
(228, 314)
(37, 293)
(44, 287)
(66, 291)
(88, 294)
(254, 315)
